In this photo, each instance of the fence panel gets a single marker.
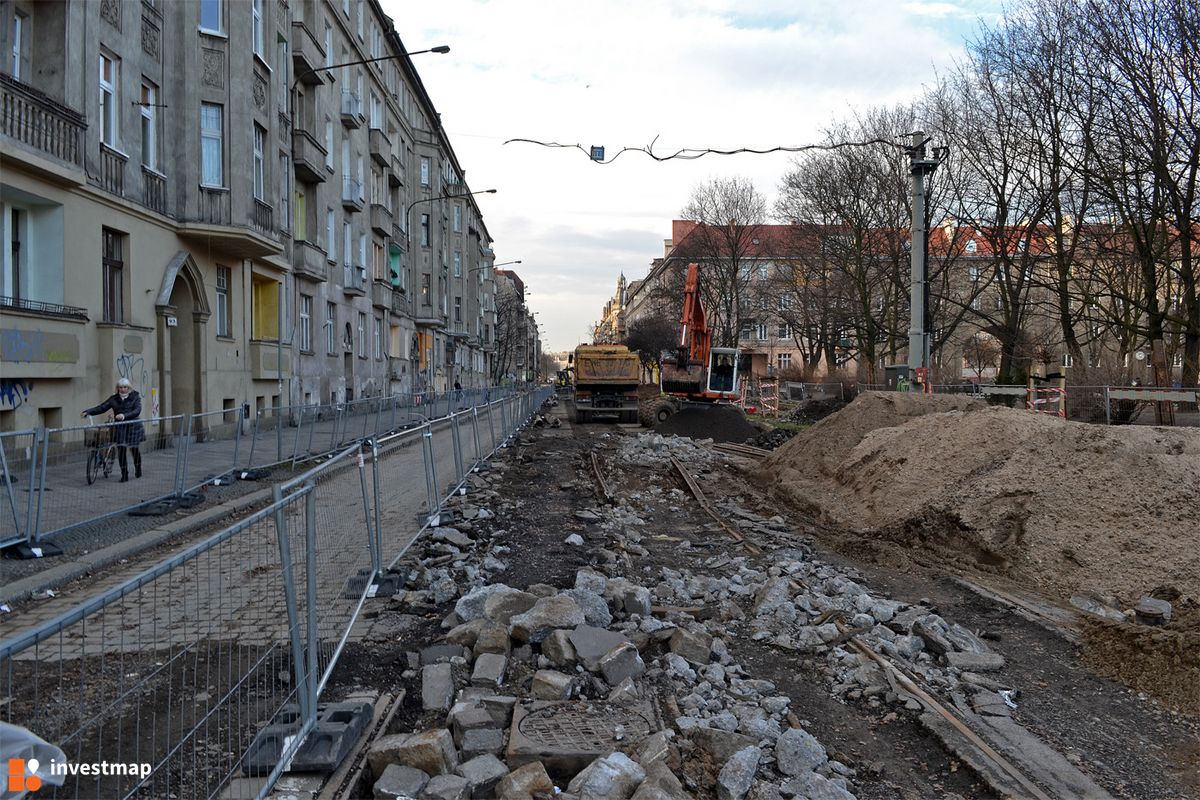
(18, 471)
(65, 499)
(174, 670)
(213, 443)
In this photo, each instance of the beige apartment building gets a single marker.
(220, 201)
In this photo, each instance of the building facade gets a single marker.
(223, 203)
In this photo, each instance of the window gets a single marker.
(457, 264)
(425, 230)
(1067, 360)
(457, 218)
(306, 308)
(376, 112)
(785, 361)
(360, 20)
(260, 172)
(331, 328)
(212, 145)
(149, 111)
(362, 335)
(458, 309)
(973, 273)
(285, 199)
(362, 251)
(378, 338)
(264, 308)
(210, 15)
(256, 26)
(331, 234)
(114, 276)
(110, 78)
(785, 302)
(425, 288)
(784, 332)
(20, 32)
(223, 301)
(971, 246)
(329, 144)
(378, 262)
(281, 75)
(762, 331)
(328, 45)
(347, 243)
(424, 171)
(747, 330)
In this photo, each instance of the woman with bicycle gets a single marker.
(126, 406)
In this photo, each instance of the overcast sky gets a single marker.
(719, 74)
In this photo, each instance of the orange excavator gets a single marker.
(699, 372)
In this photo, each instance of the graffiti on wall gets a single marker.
(14, 393)
(38, 346)
(133, 367)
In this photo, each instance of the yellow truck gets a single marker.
(606, 383)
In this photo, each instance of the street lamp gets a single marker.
(408, 211)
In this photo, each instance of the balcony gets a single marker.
(266, 360)
(379, 147)
(112, 171)
(381, 294)
(395, 173)
(214, 206)
(308, 157)
(381, 219)
(352, 113)
(263, 217)
(154, 191)
(399, 301)
(308, 261)
(33, 119)
(354, 280)
(352, 194)
(307, 54)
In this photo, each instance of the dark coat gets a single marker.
(127, 432)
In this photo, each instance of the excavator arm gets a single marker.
(696, 336)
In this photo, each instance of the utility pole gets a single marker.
(920, 168)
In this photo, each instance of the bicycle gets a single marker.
(102, 451)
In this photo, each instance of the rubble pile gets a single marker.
(656, 450)
(603, 650)
(1064, 507)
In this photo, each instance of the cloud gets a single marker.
(703, 74)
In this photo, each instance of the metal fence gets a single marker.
(207, 668)
(48, 489)
(1102, 405)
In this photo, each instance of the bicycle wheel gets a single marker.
(107, 460)
(93, 466)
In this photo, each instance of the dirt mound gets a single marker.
(1059, 506)
(811, 411)
(719, 423)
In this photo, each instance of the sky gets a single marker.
(719, 74)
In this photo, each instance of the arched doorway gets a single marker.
(183, 314)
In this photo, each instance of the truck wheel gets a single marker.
(643, 412)
(661, 411)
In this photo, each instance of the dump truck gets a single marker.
(606, 383)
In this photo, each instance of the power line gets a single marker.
(689, 154)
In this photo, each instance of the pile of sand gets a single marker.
(1060, 506)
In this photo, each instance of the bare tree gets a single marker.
(650, 337)
(730, 213)
(510, 330)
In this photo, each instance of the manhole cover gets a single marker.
(581, 727)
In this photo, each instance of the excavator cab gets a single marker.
(723, 371)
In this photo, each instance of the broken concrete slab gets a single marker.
(591, 644)
(435, 654)
(482, 741)
(489, 672)
(975, 662)
(526, 781)
(482, 774)
(719, 744)
(622, 662)
(468, 716)
(798, 751)
(501, 608)
(558, 648)
(614, 775)
(437, 687)
(737, 776)
(695, 646)
(430, 751)
(551, 685)
(384, 751)
(547, 614)
(399, 782)
(446, 787)
(813, 786)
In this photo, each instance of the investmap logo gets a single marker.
(22, 775)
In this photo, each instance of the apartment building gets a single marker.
(219, 201)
